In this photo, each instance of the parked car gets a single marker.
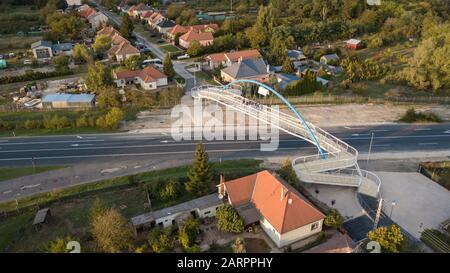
(27, 62)
(155, 62)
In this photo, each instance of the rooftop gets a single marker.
(64, 97)
(235, 55)
(196, 35)
(247, 68)
(278, 202)
(199, 203)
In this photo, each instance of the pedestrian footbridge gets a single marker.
(334, 164)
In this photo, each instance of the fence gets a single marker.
(336, 99)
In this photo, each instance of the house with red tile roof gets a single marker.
(283, 213)
(225, 59)
(85, 13)
(179, 29)
(137, 10)
(122, 51)
(148, 78)
(204, 38)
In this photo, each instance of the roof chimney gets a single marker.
(290, 201)
(221, 187)
(282, 194)
(240, 59)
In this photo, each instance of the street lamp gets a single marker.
(392, 207)
(370, 149)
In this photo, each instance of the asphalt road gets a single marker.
(63, 150)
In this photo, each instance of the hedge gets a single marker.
(32, 76)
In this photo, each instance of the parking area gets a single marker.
(341, 198)
(414, 201)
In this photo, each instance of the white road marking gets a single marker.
(360, 134)
(29, 186)
(49, 142)
(6, 192)
(380, 130)
(423, 129)
(381, 145)
(447, 132)
(1, 141)
(79, 145)
(430, 143)
(145, 154)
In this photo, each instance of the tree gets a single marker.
(59, 245)
(429, 67)
(200, 174)
(188, 233)
(102, 44)
(229, 220)
(390, 238)
(98, 208)
(133, 63)
(64, 26)
(161, 240)
(126, 28)
(287, 173)
(111, 120)
(259, 35)
(288, 66)
(170, 191)
(61, 62)
(108, 97)
(81, 54)
(168, 67)
(99, 76)
(334, 219)
(195, 49)
(111, 231)
(239, 246)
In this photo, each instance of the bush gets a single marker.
(412, 116)
(32, 76)
(229, 220)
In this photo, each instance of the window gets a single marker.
(314, 226)
(207, 212)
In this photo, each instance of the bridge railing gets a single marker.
(329, 142)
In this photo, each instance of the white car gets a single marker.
(27, 62)
(156, 62)
(185, 56)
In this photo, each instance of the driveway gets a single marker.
(419, 202)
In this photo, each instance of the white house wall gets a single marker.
(298, 234)
(291, 236)
(162, 82)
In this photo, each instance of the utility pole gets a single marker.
(370, 149)
(231, 6)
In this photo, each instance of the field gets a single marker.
(18, 18)
(10, 173)
(438, 172)
(13, 43)
(70, 207)
(170, 49)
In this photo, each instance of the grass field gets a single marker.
(70, 207)
(170, 48)
(18, 18)
(10, 173)
(12, 43)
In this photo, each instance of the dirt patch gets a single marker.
(254, 245)
(321, 115)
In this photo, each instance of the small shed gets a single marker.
(3, 64)
(56, 100)
(354, 44)
(330, 59)
(41, 217)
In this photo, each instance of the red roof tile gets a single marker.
(279, 203)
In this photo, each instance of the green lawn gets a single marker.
(170, 48)
(70, 207)
(63, 131)
(18, 18)
(10, 173)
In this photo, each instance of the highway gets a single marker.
(63, 150)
